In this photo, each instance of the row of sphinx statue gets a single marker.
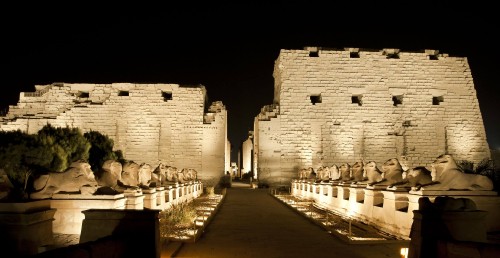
(114, 178)
(444, 174)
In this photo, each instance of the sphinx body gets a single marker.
(110, 181)
(111, 173)
(186, 175)
(171, 175)
(393, 172)
(345, 172)
(306, 173)
(323, 174)
(334, 172)
(159, 174)
(144, 176)
(418, 177)
(191, 174)
(130, 174)
(446, 175)
(78, 178)
(358, 172)
(375, 176)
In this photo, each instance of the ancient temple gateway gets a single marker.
(150, 123)
(342, 106)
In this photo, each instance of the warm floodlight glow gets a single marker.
(404, 252)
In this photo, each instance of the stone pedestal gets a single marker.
(294, 188)
(150, 196)
(432, 225)
(373, 199)
(332, 191)
(179, 191)
(357, 194)
(199, 189)
(25, 227)
(160, 197)
(343, 197)
(169, 196)
(356, 201)
(303, 189)
(139, 229)
(395, 212)
(485, 200)
(135, 200)
(69, 216)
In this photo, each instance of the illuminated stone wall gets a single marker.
(227, 166)
(148, 122)
(246, 155)
(339, 106)
(267, 145)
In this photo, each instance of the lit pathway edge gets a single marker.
(350, 231)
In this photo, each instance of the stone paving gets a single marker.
(252, 223)
(62, 240)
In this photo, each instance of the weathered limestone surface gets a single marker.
(414, 107)
(150, 123)
(246, 155)
(68, 216)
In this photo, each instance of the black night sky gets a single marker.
(231, 48)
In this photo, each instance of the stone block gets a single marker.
(68, 217)
(25, 227)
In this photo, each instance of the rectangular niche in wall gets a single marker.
(357, 99)
(123, 93)
(354, 55)
(83, 94)
(315, 99)
(166, 95)
(437, 100)
(397, 100)
(313, 53)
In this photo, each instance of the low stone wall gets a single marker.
(139, 229)
(28, 226)
(68, 217)
(69, 207)
(25, 226)
(389, 210)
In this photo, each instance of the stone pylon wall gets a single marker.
(246, 155)
(148, 122)
(414, 106)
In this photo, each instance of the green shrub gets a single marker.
(485, 167)
(25, 157)
(210, 190)
(101, 150)
(64, 146)
(466, 166)
(16, 149)
(179, 216)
